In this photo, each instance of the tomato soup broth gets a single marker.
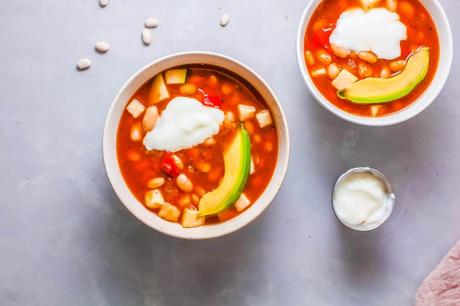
(421, 32)
(202, 164)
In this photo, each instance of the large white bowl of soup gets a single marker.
(374, 62)
(196, 145)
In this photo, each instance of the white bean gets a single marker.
(309, 58)
(367, 57)
(146, 37)
(83, 64)
(397, 65)
(385, 72)
(224, 20)
(184, 183)
(103, 3)
(392, 5)
(364, 70)
(102, 47)
(151, 23)
(178, 162)
(324, 57)
(210, 141)
(333, 70)
(339, 51)
(203, 166)
(155, 182)
(150, 118)
(318, 72)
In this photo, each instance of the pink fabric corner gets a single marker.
(442, 286)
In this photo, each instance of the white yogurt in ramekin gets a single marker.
(362, 199)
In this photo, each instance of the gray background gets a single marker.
(66, 240)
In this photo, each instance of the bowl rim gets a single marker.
(410, 111)
(110, 153)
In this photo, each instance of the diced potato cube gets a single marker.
(246, 112)
(135, 108)
(169, 212)
(344, 79)
(253, 168)
(242, 203)
(191, 218)
(154, 199)
(264, 118)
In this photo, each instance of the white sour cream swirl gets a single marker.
(184, 123)
(377, 30)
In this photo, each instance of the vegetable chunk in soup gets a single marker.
(197, 145)
(371, 57)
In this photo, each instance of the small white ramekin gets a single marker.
(110, 154)
(388, 191)
(442, 72)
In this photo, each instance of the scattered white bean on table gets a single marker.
(83, 64)
(146, 37)
(102, 47)
(103, 3)
(151, 22)
(224, 20)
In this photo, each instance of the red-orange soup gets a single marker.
(202, 164)
(421, 31)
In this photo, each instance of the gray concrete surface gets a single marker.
(66, 240)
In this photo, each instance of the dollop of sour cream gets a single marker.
(184, 123)
(377, 30)
(362, 201)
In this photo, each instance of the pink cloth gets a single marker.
(442, 286)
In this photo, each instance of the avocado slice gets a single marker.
(382, 90)
(158, 90)
(176, 76)
(237, 161)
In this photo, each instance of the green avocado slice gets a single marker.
(237, 161)
(382, 90)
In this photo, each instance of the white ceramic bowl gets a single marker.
(113, 169)
(442, 72)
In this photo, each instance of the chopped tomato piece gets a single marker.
(213, 101)
(168, 165)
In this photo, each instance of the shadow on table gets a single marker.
(135, 265)
(363, 254)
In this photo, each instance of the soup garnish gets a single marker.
(197, 145)
(371, 57)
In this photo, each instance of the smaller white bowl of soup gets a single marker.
(196, 145)
(374, 62)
